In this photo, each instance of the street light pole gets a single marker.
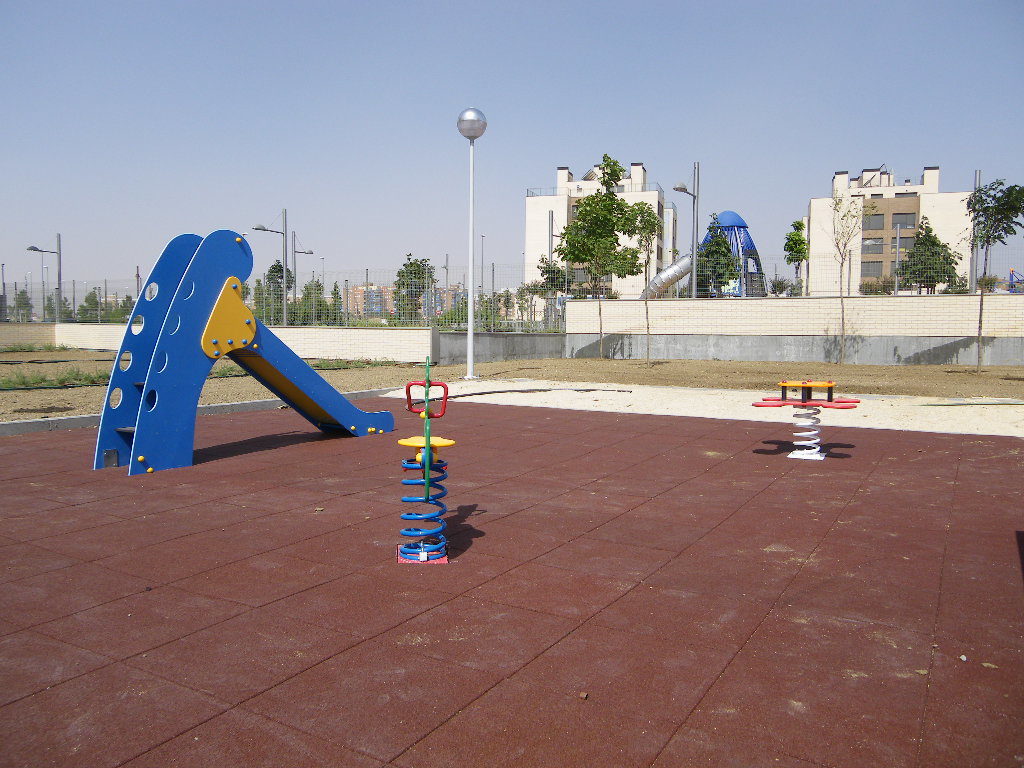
(284, 261)
(472, 125)
(695, 195)
(59, 293)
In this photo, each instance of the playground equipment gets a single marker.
(748, 261)
(432, 546)
(808, 441)
(190, 315)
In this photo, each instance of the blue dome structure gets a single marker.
(751, 282)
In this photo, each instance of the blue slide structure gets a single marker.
(189, 315)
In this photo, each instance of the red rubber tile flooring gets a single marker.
(623, 591)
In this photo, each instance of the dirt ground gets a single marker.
(934, 381)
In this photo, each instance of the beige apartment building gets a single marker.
(548, 210)
(888, 212)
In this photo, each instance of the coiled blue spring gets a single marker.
(432, 544)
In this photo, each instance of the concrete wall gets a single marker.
(407, 345)
(493, 347)
(944, 315)
(881, 330)
(36, 334)
(860, 350)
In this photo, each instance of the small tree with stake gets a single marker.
(847, 213)
(796, 249)
(996, 212)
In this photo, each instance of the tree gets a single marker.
(414, 278)
(647, 227)
(796, 249)
(89, 309)
(929, 262)
(716, 263)
(336, 305)
(276, 291)
(312, 308)
(22, 306)
(847, 213)
(779, 286)
(592, 239)
(996, 211)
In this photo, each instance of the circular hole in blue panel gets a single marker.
(151, 291)
(125, 361)
(191, 290)
(151, 399)
(115, 397)
(161, 362)
(137, 323)
(174, 325)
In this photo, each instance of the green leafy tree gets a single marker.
(996, 211)
(716, 263)
(796, 248)
(593, 239)
(22, 306)
(312, 308)
(929, 262)
(336, 305)
(414, 278)
(779, 286)
(89, 309)
(278, 281)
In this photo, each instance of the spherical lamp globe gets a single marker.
(472, 123)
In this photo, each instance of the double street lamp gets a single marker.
(284, 261)
(59, 309)
(695, 194)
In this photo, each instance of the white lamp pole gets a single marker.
(472, 125)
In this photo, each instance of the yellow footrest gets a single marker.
(419, 442)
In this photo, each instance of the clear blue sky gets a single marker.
(128, 122)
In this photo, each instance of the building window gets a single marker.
(906, 194)
(871, 245)
(906, 243)
(878, 196)
(905, 220)
(874, 221)
(870, 269)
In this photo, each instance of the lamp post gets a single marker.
(284, 261)
(472, 125)
(59, 290)
(695, 194)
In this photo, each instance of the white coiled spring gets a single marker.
(807, 442)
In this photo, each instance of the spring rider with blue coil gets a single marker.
(432, 546)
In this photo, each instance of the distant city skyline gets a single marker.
(128, 123)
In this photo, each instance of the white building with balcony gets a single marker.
(887, 212)
(548, 210)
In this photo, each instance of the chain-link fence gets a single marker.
(881, 271)
(423, 293)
